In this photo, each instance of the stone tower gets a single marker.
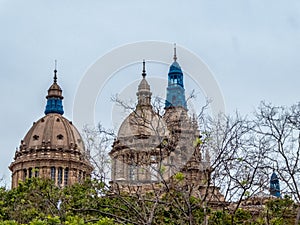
(184, 133)
(151, 148)
(136, 150)
(52, 148)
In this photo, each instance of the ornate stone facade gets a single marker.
(136, 152)
(52, 148)
(151, 148)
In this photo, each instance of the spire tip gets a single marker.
(55, 71)
(144, 69)
(175, 56)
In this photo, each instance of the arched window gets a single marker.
(53, 173)
(132, 172)
(36, 172)
(24, 174)
(30, 173)
(59, 176)
(66, 176)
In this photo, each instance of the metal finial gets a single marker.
(175, 56)
(55, 71)
(144, 69)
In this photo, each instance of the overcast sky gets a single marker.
(252, 47)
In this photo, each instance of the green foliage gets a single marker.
(280, 211)
(244, 182)
(247, 193)
(197, 142)
(74, 220)
(105, 221)
(219, 218)
(32, 199)
(162, 169)
(35, 202)
(9, 222)
(240, 216)
(179, 176)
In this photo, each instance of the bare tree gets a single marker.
(98, 141)
(234, 155)
(235, 160)
(172, 154)
(278, 128)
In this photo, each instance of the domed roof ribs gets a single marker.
(47, 133)
(54, 97)
(70, 135)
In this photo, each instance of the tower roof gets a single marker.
(274, 177)
(176, 72)
(144, 86)
(55, 90)
(175, 89)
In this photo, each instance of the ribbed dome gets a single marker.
(144, 86)
(143, 126)
(144, 123)
(52, 148)
(53, 131)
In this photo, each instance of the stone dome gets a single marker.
(52, 148)
(53, 131)
(143, 127)
(143, 122)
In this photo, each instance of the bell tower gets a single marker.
(175, 89)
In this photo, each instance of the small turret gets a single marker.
(54, 97)
(144, 93)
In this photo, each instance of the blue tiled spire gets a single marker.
(54, 98)
(274, 185)
(175, 89)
